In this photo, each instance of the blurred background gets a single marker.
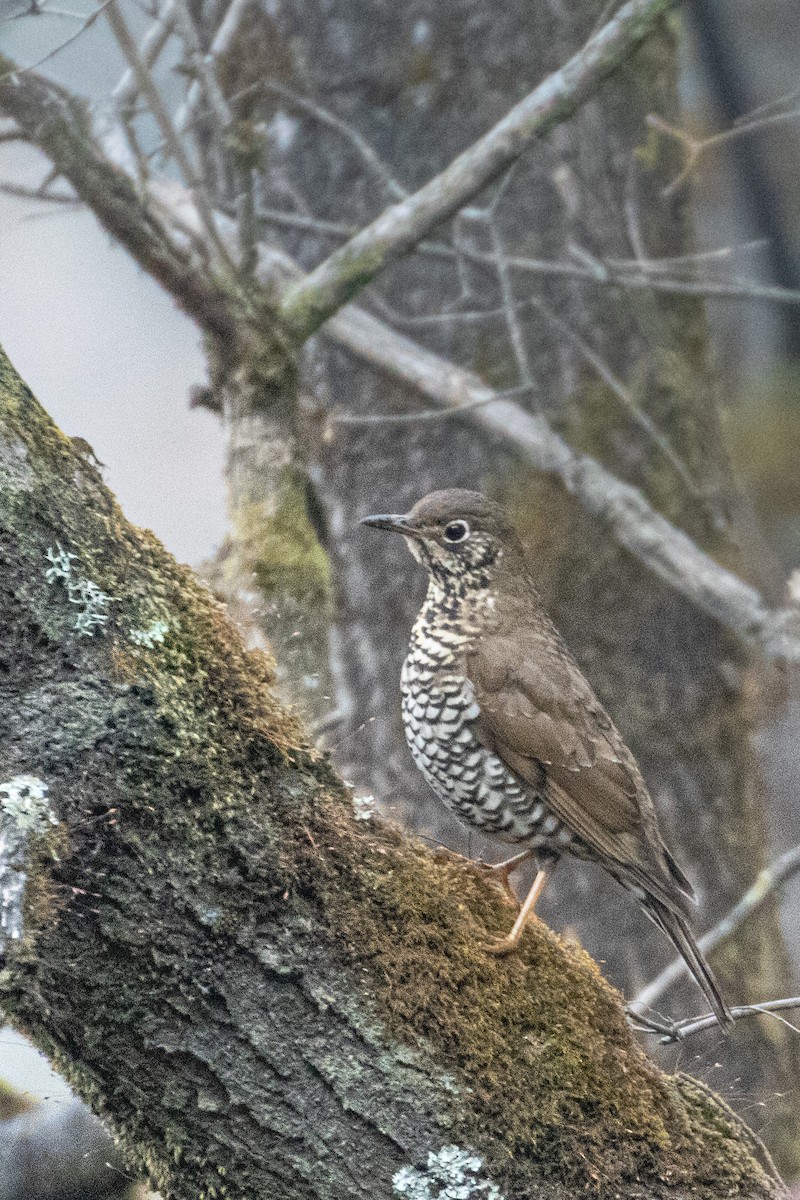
(114, 361)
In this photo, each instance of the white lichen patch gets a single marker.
(363, 808)
(23, 801)
(451, 1174)
(16, 473)
(91, 600)
(152, 636)
(24, 810)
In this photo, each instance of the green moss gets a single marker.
(286, 555)
(538, 1041)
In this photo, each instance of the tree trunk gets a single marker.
(420, 83)
(261, 995)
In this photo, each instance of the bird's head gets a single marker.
(457, 535)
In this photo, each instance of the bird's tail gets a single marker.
(676, 927)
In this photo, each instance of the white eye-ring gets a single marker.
(456, 531)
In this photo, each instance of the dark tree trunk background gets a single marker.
(420, 81)
(262, 995)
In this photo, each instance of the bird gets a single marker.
(508, 732)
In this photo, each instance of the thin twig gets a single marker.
(768, 882)
(151, 94)
(617, 387)
(85, 24)
(153, 42)
(220, 43)
(601, 271)
(326, 117)
(695, 148)
(760, 1151)
(223, 119)
(203, 65)
(431, 414)
(468, 316)
(617, 273)
(21, 192)
(509, 308)
(679, 1031)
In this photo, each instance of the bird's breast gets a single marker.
(440, 716)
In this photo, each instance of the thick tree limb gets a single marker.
(400, 228)
(262, 995)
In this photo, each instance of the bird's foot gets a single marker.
(500, 872)
(501, 946)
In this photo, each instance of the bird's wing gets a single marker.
(537, 707)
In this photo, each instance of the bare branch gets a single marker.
(431, 414)
(400, 228)
(326, 117)
(649, 274)
(220, 43)
(21, 192)
(640, 275)
(509, 309)
(617, 387)
(768, 882)
(695, 148)
(203, 64)
(678, 1031)
(57, 123)
(150, 92)
(153, 43)
(86, 23)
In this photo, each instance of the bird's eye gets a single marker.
(456, 531)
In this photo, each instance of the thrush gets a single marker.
(509, 733)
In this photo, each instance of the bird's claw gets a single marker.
(499, 874)
(500, 947)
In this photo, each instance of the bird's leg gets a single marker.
(507, 944)
(501, 871)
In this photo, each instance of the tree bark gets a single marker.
(261, 995)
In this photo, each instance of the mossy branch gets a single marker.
(262, 995)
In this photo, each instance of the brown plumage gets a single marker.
(507, 730)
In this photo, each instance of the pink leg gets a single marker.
(507, 944)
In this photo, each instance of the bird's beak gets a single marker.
(397, 522)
